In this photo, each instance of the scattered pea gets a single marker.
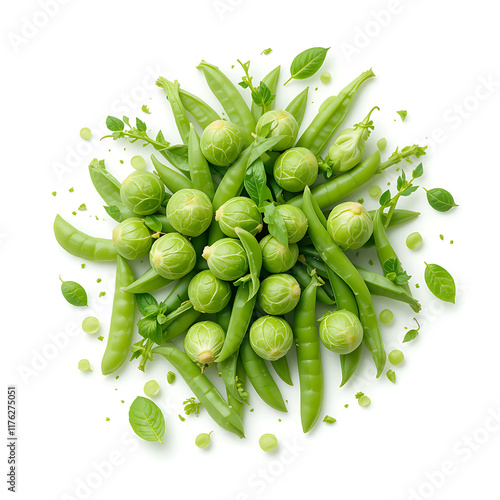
(370, 262)
(54, 193)
(123, 401)
(73, 213)
(102, 294)
(151, 388)
(451, 242)
(396, 357)
(325, 77)
(417, 285)
(386, 316)
(391, 375)
(101, 338)
(107, 419)
(381, 144)
(83, 266)
(329, 420)
(202, 440)
(122, 162)
(84, 365)
(138, 162)
(346, 406)
(170, 377)
(90, 325)
(82, 207)
(375, 191)
(414, 241)
(98, 280)
(441, 237)
(268, 442)
(71, 190)
(364, 401)
(85, 133)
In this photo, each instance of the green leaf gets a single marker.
(140, 125)
(114, 124)
(114, 212)
(418, 171)
(144, 300)
(276, 224)
(262, 145)
(307, 63)
(403, 114)
(440, 199)
(145, 109)
(329, 420)
(266, 52)
(170, 377)
(394, 271)
(409, 190)
(146, 419)
(385, 199)
(127, 121)
(74, 293)
(149, 328)
(391, 375)
(440, 282)
(153, 223)
(256, 183)
(191, 406)
(161, 318)
(410, 335)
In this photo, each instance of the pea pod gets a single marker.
(298, 105)
(166, 227)
(234, 403)
(82, 245)
(148, 282)
(198, 166)
(324, 294)
(198, 108)
(260, 378)
(172, 91)
(186, 317)
(174, 181)
(203, 389)
(399, 217)
(254, 255)
(271, 81)
(122, 320)
(283, 370)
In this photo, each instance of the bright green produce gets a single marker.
(254, 256)
(221, 143)
(84, 365)
(151, 388)
(90, 325)
(146, 419)
(132, 239)
(226, 259)
(386, 316)
(268, 442)
(209, 294)
(85, 134)
(202, 440)
(440, 282)
(172, 256)
(350, 225)
(396, 357)
(190, 212)
(74, 293)
(341, 331)
(279, 294)
(203, 342)
(271, 337)
(277, 258)
(325, 77)
(279, 123)
(138, 162)
(142, 192)
(307, 63)
(414, 241)
(239, 212)
(391, 375)
(296, 169)
(199, 169)
(295, 221)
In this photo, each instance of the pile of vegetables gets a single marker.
(246, 220)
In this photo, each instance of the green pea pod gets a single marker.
(260, 378)
(172, 91)
(399, 217)
(177, 156)
(298, 105)
(148, 282)
(254, 255)
(82, 245)
(271, 81)
(198, 166)
(324, 294)
(241, 315)
(174, 181)
(186, 318)
(122, 324)
(283, 370)
(203, 389)
(231, 100)
(234, 403)
(198, 108)
(342, 266)
(166, 227)
(308, 356)
(328, 119)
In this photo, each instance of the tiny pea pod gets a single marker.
(298, 105)
(174, 181)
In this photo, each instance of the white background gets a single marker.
(90, 59)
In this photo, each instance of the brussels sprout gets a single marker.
(279, 294)
(226, 259)
(271, 337)
(208, 294)
(277, 258)
(349, 146)
(350, 225)
(172, 256)
(341, 331)
(203, 342)
(142, 192)
(282, 123)
(239, 212)
(221, 143)
(132, 238)
(295, 221)
(295, 169)
(190, 212)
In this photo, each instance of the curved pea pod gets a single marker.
(271, 81)
(198, 108)
(241, 376)
(148, 282)
(172, 91)
(122, 320)
(186, 317)
(283, 370)
(254, 255)
(399, 216)
(324, 294)
(259, 376)
(298, 105)
(228, 370)
(174, 181)
(82, 245)
(203, 389)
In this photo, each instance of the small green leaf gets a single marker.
(266, 52)
(394, 271)
(82, 207)
(256, 183)
(276, 224)
(144, 300)
(114, 212)
(114, 124)
(391, 375)
(385, 199)
(418, 171)
(153, 223)
(191, 406)
(403, 114)
(170, 377)
(410, 335)
(146, 419)
(440, 199)
(440, 282)
(329, 420)
(74, 293)
(307, 63)
(145, 109)
(409, 190)
(140, 125)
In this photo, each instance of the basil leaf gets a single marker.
(410, 335)
(276, 224)
(418, 171)
(114, 212)
(307, 63)
(256, 183)
(146, 419)
(140, 125)
(153, 223)
(394, 271)
(385, 199)
(114, 124)
(409, 190)
(262, 145)
(149, 328)
(74, 293)
(403, 114)
(440, 282)
(144, 300)
(440, 199)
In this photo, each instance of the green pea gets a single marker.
(386, 316)
(375, 191)
(138, 162)
(391, 375)
(90, 325)
(170, 377)
(202, 440)
(381, 144)
(84, 365)
(364, 401)
(325, 77)
(151, 388)
(85, 133)
(396, 357)
(268, 442)
(414, 241)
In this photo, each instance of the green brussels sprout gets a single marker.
(295, 221)
(226, 259)
(349, 146)
(142, 192)
(190, 212)
(239, 212)
(282, 123)
(350, 225)
(276, 257)
(203, 342)
(132, 239)
(341, 331)
(271, 337)
(295, 169)
(172, 256)
(221, 143)
(279, 294)
(208, 294)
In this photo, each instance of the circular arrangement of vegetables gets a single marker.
(249, 221)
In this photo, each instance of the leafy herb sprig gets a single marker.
(261, 95)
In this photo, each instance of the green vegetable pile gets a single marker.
(247, 221)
